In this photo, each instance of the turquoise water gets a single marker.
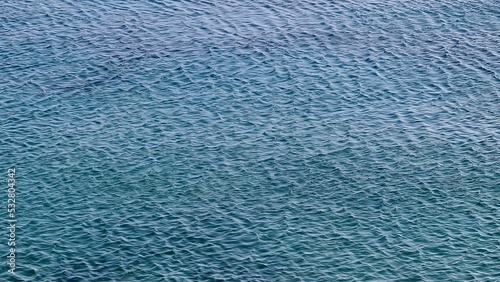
(252, 140)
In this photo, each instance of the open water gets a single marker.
(252, 140)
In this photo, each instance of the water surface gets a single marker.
(252, 140)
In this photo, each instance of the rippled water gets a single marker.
(252, 140)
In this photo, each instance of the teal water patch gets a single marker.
(252, 141)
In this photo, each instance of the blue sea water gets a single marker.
(252, 140)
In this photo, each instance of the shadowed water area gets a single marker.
(252, 140)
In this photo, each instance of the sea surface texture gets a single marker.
(251, 140)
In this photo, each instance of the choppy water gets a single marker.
(252, 140)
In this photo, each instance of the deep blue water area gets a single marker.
(251, 140)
